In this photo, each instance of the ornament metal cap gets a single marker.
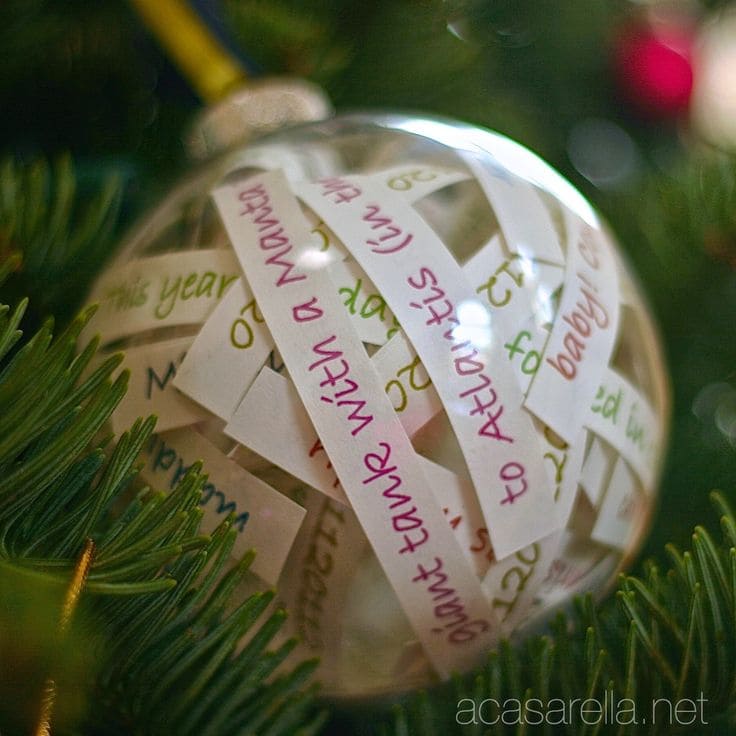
(261, 107)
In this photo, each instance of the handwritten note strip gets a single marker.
(265, 519)
(416, 181)
(578, 565)
(523, 217)
(407, 384)
(302, 454)
(582, 338)
(517, 291)
(170, 289)
(319, 574)
(371, 317)
(564, 462)
(429, 294)
(151, 390)
(618, 511)
(356, 423)
(512, 583)
(622, 415)
(271, 421)
(227, 354)
(596, 470)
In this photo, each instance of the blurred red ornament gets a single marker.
(652, 62)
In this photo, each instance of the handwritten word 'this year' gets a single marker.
(172, 291)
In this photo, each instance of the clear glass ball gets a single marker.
(551, 308)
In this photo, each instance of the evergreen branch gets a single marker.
(169, 658)
(61, 243)
(662, 636)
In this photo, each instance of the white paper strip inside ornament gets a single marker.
(271, 421)
(160, 291)
(578, 565)
(318, 576)
(520, 306)
(234, 342)
(407, 384)
(505, 282)
(371, 317)
(438, 310)
(564, 462)
(227, 354)
(582, 338)
(622, 416)
(457, 498)
(273, 399)
(512, 583)
(415, 181)
(596, 470)
(356, 422)
(151, 387)
(265, 519)
(618, 510)
(523, 217)
(301, 454)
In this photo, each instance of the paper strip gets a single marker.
(623, 417)
(301, 453)
(271, 421)
(582, 337)
(523, 217)
(510, 285)
(227, 354)
(357, 424)
(317, 577)
(371, 317)
(151, 390)
(428, 293)
(619, 508)
(416, 181)
(578, 565)
(564, 462)
(266, 520)
(235, 342)
(407, 384)
(512, 583)
(596, 470)
(170, 289)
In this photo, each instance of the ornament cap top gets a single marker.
(263, 106)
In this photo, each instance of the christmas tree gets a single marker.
(117, 613)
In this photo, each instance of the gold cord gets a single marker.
(71, 599)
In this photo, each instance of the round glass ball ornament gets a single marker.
(419, 374)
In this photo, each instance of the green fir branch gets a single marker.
(60, 236)
(159, 623)
(664, 638)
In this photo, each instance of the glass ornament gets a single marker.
(545, 317)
